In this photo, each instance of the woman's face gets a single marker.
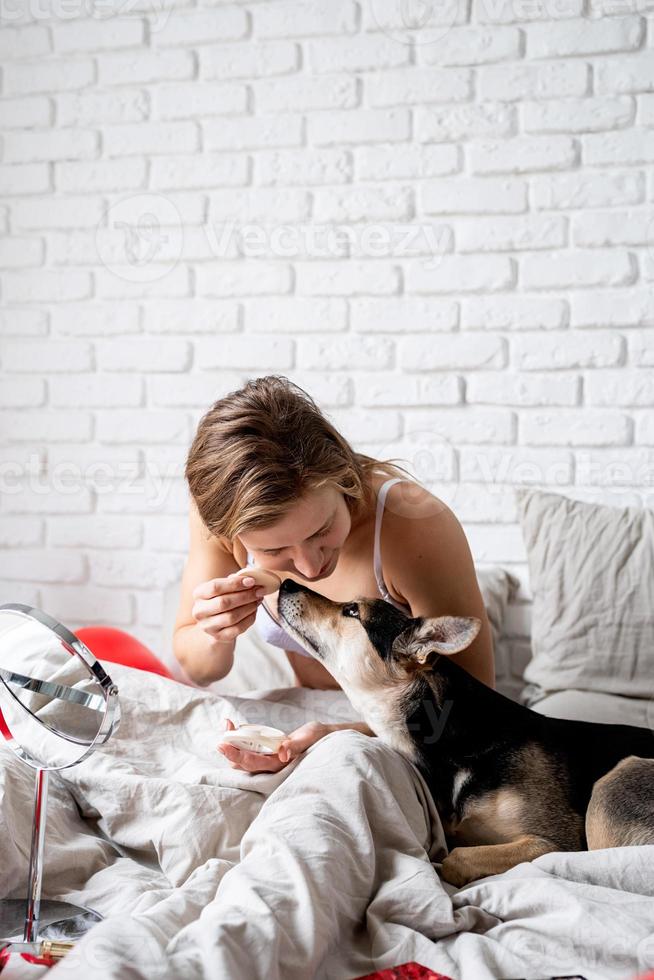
(306, 541)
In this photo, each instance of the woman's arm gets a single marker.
(203, 659)
(427, 562)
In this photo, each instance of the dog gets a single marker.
(509, 784)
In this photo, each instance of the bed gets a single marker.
(327, 869)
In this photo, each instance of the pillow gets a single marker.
(497, 587)
(258, 665)
(608, 709)
(591, 570)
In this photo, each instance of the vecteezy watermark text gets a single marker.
(19, 11)
(68, 478)
(141, 239)
(331, 241)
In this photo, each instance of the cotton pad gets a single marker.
(255, 738)
(264, 579)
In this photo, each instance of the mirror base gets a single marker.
(58, 920)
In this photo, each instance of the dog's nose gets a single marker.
(289, 586)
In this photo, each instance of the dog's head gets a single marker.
(368, 645)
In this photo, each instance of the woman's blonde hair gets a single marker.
(260, 448)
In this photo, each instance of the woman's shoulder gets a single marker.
(415, 523)
(409, 500)
(427, 556)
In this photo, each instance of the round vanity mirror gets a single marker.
(57, 704)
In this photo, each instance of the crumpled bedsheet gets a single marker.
(327, 869)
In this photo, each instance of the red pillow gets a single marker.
(118, 647)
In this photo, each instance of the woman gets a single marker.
(274, 484)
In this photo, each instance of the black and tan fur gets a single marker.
(509, 784)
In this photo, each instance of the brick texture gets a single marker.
(449, 244)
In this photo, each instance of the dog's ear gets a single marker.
(428, 636)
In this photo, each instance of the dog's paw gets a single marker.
(458, 868)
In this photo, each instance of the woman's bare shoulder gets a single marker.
(415, 527)
(409, 500)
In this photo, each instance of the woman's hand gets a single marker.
(293, 745)
(226, 607)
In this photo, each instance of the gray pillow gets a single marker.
(497, 586)
(608, 709)
(591, 570)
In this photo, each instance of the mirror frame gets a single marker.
(111, 716)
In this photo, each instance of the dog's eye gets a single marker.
(351, 609)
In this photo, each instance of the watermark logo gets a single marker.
(431, 459)
(141, 238)
(417, 22)
(440, 465)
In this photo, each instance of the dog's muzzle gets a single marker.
(291, 608)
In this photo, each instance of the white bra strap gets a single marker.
(381, 497)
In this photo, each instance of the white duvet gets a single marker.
(322, 870)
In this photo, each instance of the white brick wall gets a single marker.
(444, 233)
